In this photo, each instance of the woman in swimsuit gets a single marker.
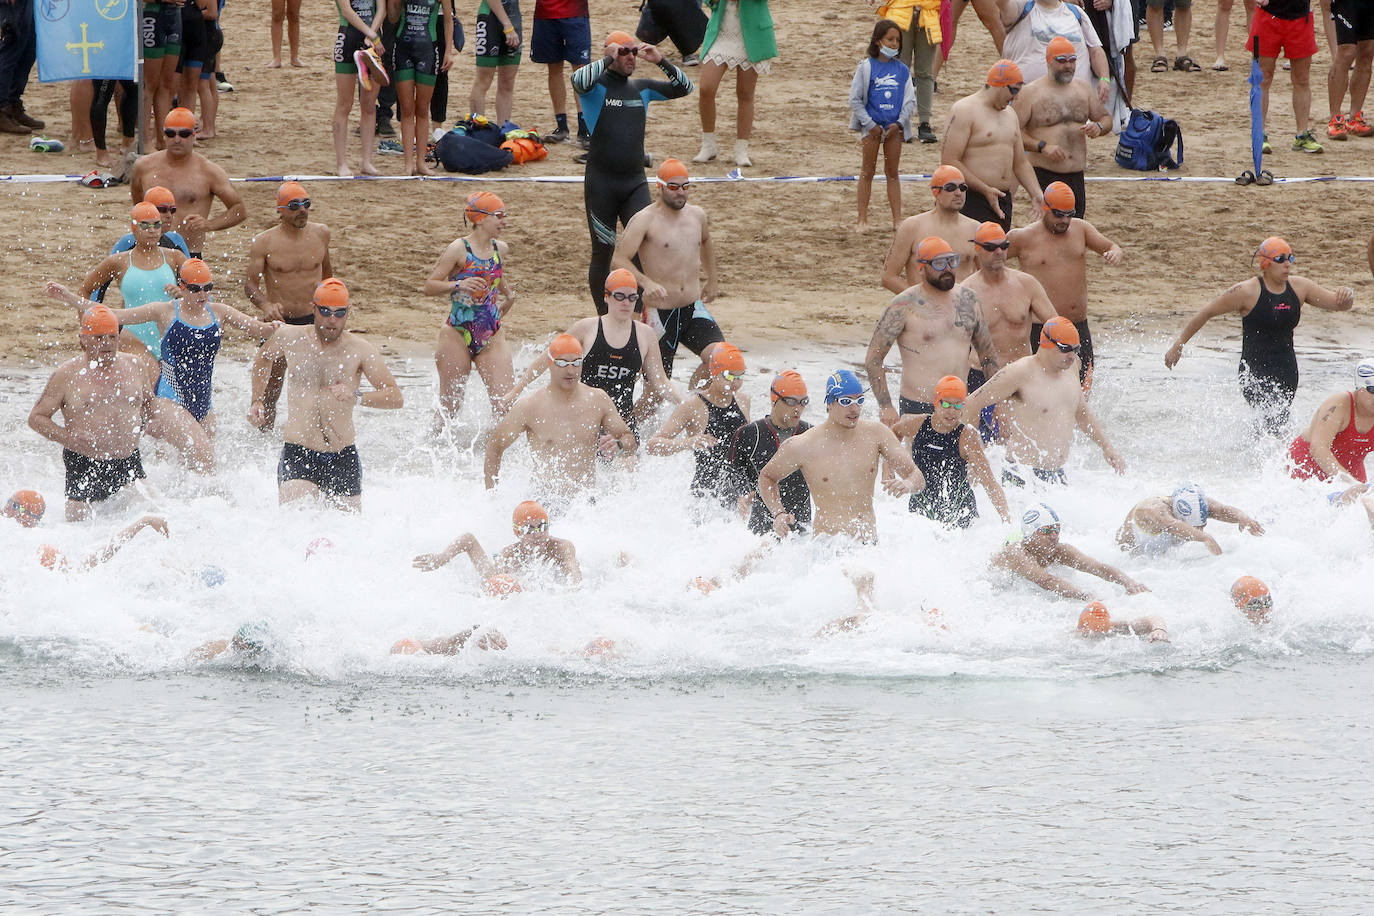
(470, 273)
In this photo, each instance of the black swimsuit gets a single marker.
(947, 498)
(614, 370)
(712, 477)
(753, 446)
(1268, 363)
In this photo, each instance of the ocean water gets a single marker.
(724, 758)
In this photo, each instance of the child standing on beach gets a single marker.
(881, 99)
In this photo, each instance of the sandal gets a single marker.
(1159, 65)
(1187, 64)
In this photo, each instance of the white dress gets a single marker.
(728, 48)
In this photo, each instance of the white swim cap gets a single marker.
(1190, 505)
(1364, 374)
(1036, 517)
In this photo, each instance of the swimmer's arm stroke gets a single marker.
(971, 449)
(687, 417)
(1181, 530)
(464, 543)
(1017, 562)
(1111, 252)
(1072, 557)
(786, 460)
(385, 393)
(968, 313)
(1223, 513)
(503, 437)
(1341, 300)
(1233, 300)
(104, 554)
(889, 328)
(1087, 421)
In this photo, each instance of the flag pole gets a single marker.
(143, 100)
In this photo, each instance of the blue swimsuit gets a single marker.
(188, 363)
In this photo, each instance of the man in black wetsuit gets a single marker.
(615, 107)
(755, 443)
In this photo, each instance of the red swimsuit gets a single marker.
(1349, 448)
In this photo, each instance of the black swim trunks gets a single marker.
(977, 208)
(336, 473)
(1073, 179)
(93, 480)
(299, 319)
(691, 326)
(907, 405)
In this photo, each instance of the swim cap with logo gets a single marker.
(1059, 196)
(332, 294)
(1059, 45)
(481, 205)
(564, 346)
(989, 233)
(98, 321)
(1190, 505)
(1095, 620)
(1271, 248)
(620, 278)
(180, 117)
(1364, 375)
(618, 37)
(528, 513)
(842, 384)
(932, 246)
(1036, 517)
(672, 170)
(726, 357)
(290, 191)
(145, 212)
(787, 384)
(1059, 330)
(159, 196)
(194, 270)
(26, 507)
(944, 175)
(950, 388)
(1004, 73)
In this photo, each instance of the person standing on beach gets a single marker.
(1285, 26)
(739, 36)
(194, 181)
(943, 220)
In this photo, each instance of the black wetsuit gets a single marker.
(712, 477)
(754, 445)
(614, 187)
(614, 370)
(1268, 364)
(948, 497)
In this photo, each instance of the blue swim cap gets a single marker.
(1190, 505)
(842, 383)
(212, 576)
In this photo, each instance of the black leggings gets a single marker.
(608, 198)
(128, 109)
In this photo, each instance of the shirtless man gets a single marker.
(103, 395)
(1030, 552)
(193, 181)
(1157, 523)
(839, 459)
(1043, 404)
(534, 547)
(325, 367)
(933, 324)
(567, 425)
(1058, 115)
(671, 240)
(52, 558)
(285, 264)
(1054, 250)
(943, 220)
(983, 141)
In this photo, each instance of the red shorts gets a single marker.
(1294, 37)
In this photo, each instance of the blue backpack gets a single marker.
(1148, 142)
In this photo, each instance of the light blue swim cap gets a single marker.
(1190, 505)
(1036, 517)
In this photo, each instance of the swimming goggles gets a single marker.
(1062, 214)
(1260, 603)
(150, 225)
(330, 313)
(951, 405)
(199, 287)
(1065, 58)
(183, 132)
(1014, 90)
(731, 376)
(1284, 259)
(1066, 348)
(675, 186)
(791, 401)
(943, 262)
(1048, 529)
(532, 526)
(995, 246)
(302, 204)
(499, 214)
(847, 400)
(625, 297)
(17, 509)
(952, 186)
(166, 209)
(564, 362)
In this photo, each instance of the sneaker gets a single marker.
(1266, 149)
(390, 147)
(222, 82)
(559, 135)
(1355, 124)
(1335, 128)
(1306, 143)
(45, 145)
(584, 141)
(925, 134)
(384, 128)
(580, 159)
(691, 60)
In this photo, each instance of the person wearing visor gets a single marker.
(1035, 546)
(1040, 405)
(534, 548)
(705, 422)
(1159, 523)
(1270, 306)
(948, 453)
(933, 324)
(753, 445)
(1054, 250)
(943, 220)
(839, 460)
(1341, 435)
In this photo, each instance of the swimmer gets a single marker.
(1158, 523)
(326, 364)
(567, 425)
(753, 445)
(166, 205)
(933, 324)
(1040, 404)
(903, 269)
(1097, 622)
(840, 460)
(534, 548)
(52, 558)
(1252, 598)
(250, 640)
(948, 453)
(1030, 552)
(26, 507)
(1341, 435)
(706, 423)
(1054, 250)
(1270, 305)
(486, 639)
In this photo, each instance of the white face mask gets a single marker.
(887, 52)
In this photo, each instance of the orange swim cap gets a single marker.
(144, 211)
(1059, 196)
(528, 513)
(1094, 621)
(672, 170)
(1059, 45)
(564, 346)
(26, 507)
(1004, 73)
(1248, 590)
(1059, 330)
(407, 647)
(726, 357)
(943, 175)
(481, 205)
(599, 647)
(1271, 248)
(618, 37)
(787, 384)
(180, 117)
(950, 388)
(290, 191)
(989, 233)
(502, 585)
(932, 246)
(620, 278)
(159, 196)
(98, 321)
(194, 270)
(51, 557)
(332, 294)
